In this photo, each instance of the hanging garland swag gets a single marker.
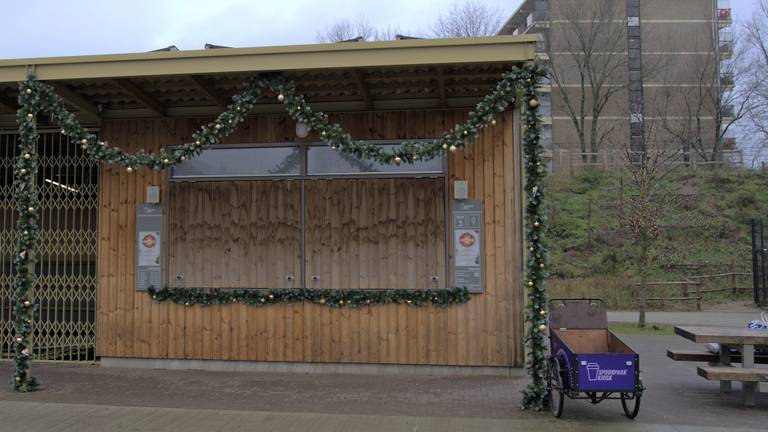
(36, 97)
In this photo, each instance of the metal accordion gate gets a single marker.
(65, 294)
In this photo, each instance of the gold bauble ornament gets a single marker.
(493, 122)
(166, 161)
(466, 132)
(197, 142)
(541, 265)
(187, 304)
(63, 132)
(84, 141)
(542, 312)
(533, 103)
(542, 327)
(271, 296)
(322, 301)
(23, 171)
(129, 170)
(30, 116)
(218, 126)
(452, 148)
(281, 97)
(31, 209)
(29, 91)
(536, 224)
(27, 156)
(18, 340)
(445, 146)
(398, 160)
(183, 157)
(530, 283)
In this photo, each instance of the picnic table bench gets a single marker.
(720, 365)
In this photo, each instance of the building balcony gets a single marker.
(726, 81)
(725, 46)
(727, 113)
(535, 21)
(724, 18)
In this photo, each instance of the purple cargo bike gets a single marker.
(587, 361)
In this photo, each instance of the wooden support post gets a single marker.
(698, 296)
(725, 360)
(748, 389)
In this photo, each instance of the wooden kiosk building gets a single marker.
(270, 208)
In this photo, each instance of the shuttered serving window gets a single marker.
(305, 216)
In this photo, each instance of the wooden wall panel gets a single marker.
(486, 331)
(342, 240)
(243, 234)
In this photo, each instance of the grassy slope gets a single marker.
(591, 254)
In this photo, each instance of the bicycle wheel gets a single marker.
(555, 384)
(631, 405)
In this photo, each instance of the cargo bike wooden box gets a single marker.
(587, 361)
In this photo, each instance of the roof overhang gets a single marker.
(413, 52)
(143, 84)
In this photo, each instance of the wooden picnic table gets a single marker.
(743, 339)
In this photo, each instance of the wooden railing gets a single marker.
(693, 288)
(570, 161)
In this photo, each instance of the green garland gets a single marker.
(535, 394)
(36, 97)
(328, 297)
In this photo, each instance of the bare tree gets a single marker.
(645, 199)
(699, 117)
(588, 66)
(471, 18)
(756, 40)
(346, 29)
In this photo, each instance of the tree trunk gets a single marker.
(643, 272)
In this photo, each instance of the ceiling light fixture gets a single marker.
(61, 185)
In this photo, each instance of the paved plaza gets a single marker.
(85, 398)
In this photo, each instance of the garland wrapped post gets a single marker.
(36, 97)
(27, 233)
(535, 394)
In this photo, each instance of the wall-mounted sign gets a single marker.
(468, 244)
(149, 246)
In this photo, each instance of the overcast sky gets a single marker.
(37, 28)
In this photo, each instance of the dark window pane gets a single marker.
(323, 160)
(241, 162)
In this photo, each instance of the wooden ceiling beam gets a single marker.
(86, 108)
(209, 91)
(142, 96)
(9, 101)
(441, 85)
(362, 89)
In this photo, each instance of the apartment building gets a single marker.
(654, 73)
